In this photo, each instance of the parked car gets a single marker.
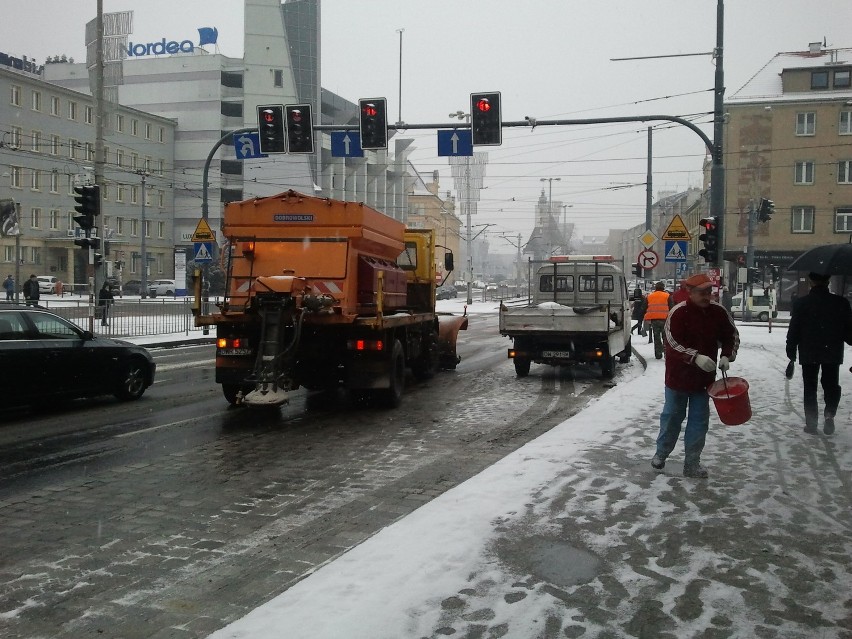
(54, 358)
(46, 283)
(132, 287)
(445, 293)
(161, 287)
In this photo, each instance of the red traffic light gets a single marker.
(268, 116)
(708, 223)
(484, 105)
(370, 110)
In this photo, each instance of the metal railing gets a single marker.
(129, 318)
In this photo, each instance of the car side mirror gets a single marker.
(87, 335)
(448, 261)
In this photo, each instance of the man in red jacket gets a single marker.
(694, 329)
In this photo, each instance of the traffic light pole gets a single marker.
(752, 223)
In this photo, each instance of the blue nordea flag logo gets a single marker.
(207, 35)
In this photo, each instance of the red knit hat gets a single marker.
(699, 281)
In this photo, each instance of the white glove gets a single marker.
(724, 364)
(705, 363)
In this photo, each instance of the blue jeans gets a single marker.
(697, 423)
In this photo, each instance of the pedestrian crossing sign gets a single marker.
(203, 252)
(675, 251)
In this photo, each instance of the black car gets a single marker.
(44, 356)
(445, 293)
(132, 287)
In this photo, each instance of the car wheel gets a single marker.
(763, 317)
(170, 292)
(132, 381)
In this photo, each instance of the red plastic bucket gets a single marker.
(730, 395)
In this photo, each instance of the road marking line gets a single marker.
(152, 428)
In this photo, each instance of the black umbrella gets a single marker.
(828, 259)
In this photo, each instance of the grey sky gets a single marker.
(548, 58)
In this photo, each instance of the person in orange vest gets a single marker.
(656, 314)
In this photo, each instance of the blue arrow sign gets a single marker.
(676, 251)
(202, 251)
(346, 144)
(455, 142)
(247, 146)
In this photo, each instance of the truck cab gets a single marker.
(762, 304)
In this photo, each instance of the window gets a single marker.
(589, 283)
(105, 195)
(72, 110)
(106, 154)
(54, 219)
(89, 114)
(134, 194)
(147, 130)
(55, 143)
(804, 173)
(119, 225)
(147, 228)
(72, 225)
(134, 127)
(845, 123)
(36, 100)
(119, 123)
(134, 227)
(842, 79)
(72, 148)
(844, 172)
(278, 77)
(119, 158)
(35, 180)
(119, 193)
(161, 229)
(148, 165)
(843, 220)
(35, 255)
(148, 196)
(90, 151)
(8, 253)
(802, 219)
(15, 95)
(15, 177)
(54, 105)
(134, 161)
(15, 138)
(161, 135)
(161, 199)
(564, 284)
(36, 142)
(159, 167)
(54, 182)
(35, 218)
(232, 109)
(806, 123)
(819, 80)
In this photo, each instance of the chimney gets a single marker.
(814, 47)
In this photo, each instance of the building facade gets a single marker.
(47, 148)
(788, 138)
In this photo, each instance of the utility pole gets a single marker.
(747, 289)
(399, 119)
(143, 249)
(99, 147)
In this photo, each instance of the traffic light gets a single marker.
(765, 210)
(637, 269)
(88, 242)
(300, 128)
(88, 205)
(710, 238)
(754, 275)
(270, 125)
(486, 123)
(99, 260)
(373, 123)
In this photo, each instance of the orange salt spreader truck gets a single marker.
(322, 293)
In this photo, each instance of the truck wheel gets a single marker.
(392, 396)
(522, 366)
(624, 356)
(608, 366)
(425, 366)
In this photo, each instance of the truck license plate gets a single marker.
(561, 354)
(234, 351)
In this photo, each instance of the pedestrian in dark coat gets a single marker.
(9, 286)
(640, 305)
(695, 330)
(31, 291)
(105, 298)
(819, 325)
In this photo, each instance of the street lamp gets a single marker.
(143, 247)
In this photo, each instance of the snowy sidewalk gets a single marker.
(574, 535)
